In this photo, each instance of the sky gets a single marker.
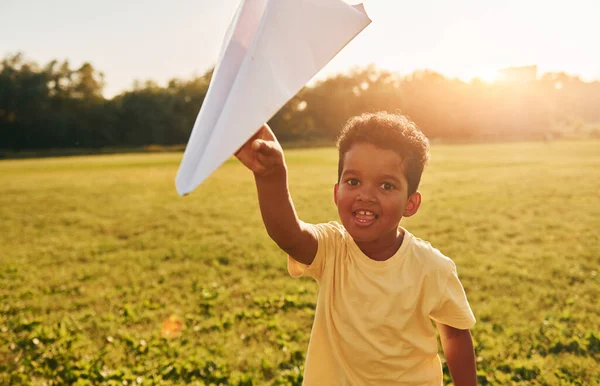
(132, 40)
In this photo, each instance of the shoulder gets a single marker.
(429, 257)
(331, 229)
(330, 240)
(433, 268)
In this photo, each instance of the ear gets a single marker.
(412, 205)
(335, 189)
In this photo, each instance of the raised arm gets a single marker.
(460, 357)
(263, 155)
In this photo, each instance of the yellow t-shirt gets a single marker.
(372, 323)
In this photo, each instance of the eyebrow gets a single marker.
(385, 176)
(391, 177)
(349, 171)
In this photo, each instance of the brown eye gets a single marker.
(387, 186)
(353, 182)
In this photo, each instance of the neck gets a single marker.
(382, 248)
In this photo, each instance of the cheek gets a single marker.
(393, 206)
(343, 198)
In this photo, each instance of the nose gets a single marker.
(366, 194)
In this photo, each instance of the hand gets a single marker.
(262, 153)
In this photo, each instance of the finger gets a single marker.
(265, 148)
(250, 142)
(257, 144)
(261, 132)
(244, 148)
(265, 132)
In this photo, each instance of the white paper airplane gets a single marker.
(271, 50)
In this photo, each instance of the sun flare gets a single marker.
(488, 76)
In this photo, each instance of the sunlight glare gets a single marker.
(487, 76)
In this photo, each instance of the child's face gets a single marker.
(372, 194)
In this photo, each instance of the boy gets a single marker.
(379, 286)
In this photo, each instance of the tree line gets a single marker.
(57, 106)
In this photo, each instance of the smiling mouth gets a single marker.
(364, 216)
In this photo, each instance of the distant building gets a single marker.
(523, 74)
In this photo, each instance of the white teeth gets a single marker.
(365, 212)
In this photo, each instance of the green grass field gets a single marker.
(96, 252)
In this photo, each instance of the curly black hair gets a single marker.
(392, 132)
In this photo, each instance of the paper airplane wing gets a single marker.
(271, 50)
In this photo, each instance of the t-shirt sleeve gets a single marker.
(453, 307)
(326, 243)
